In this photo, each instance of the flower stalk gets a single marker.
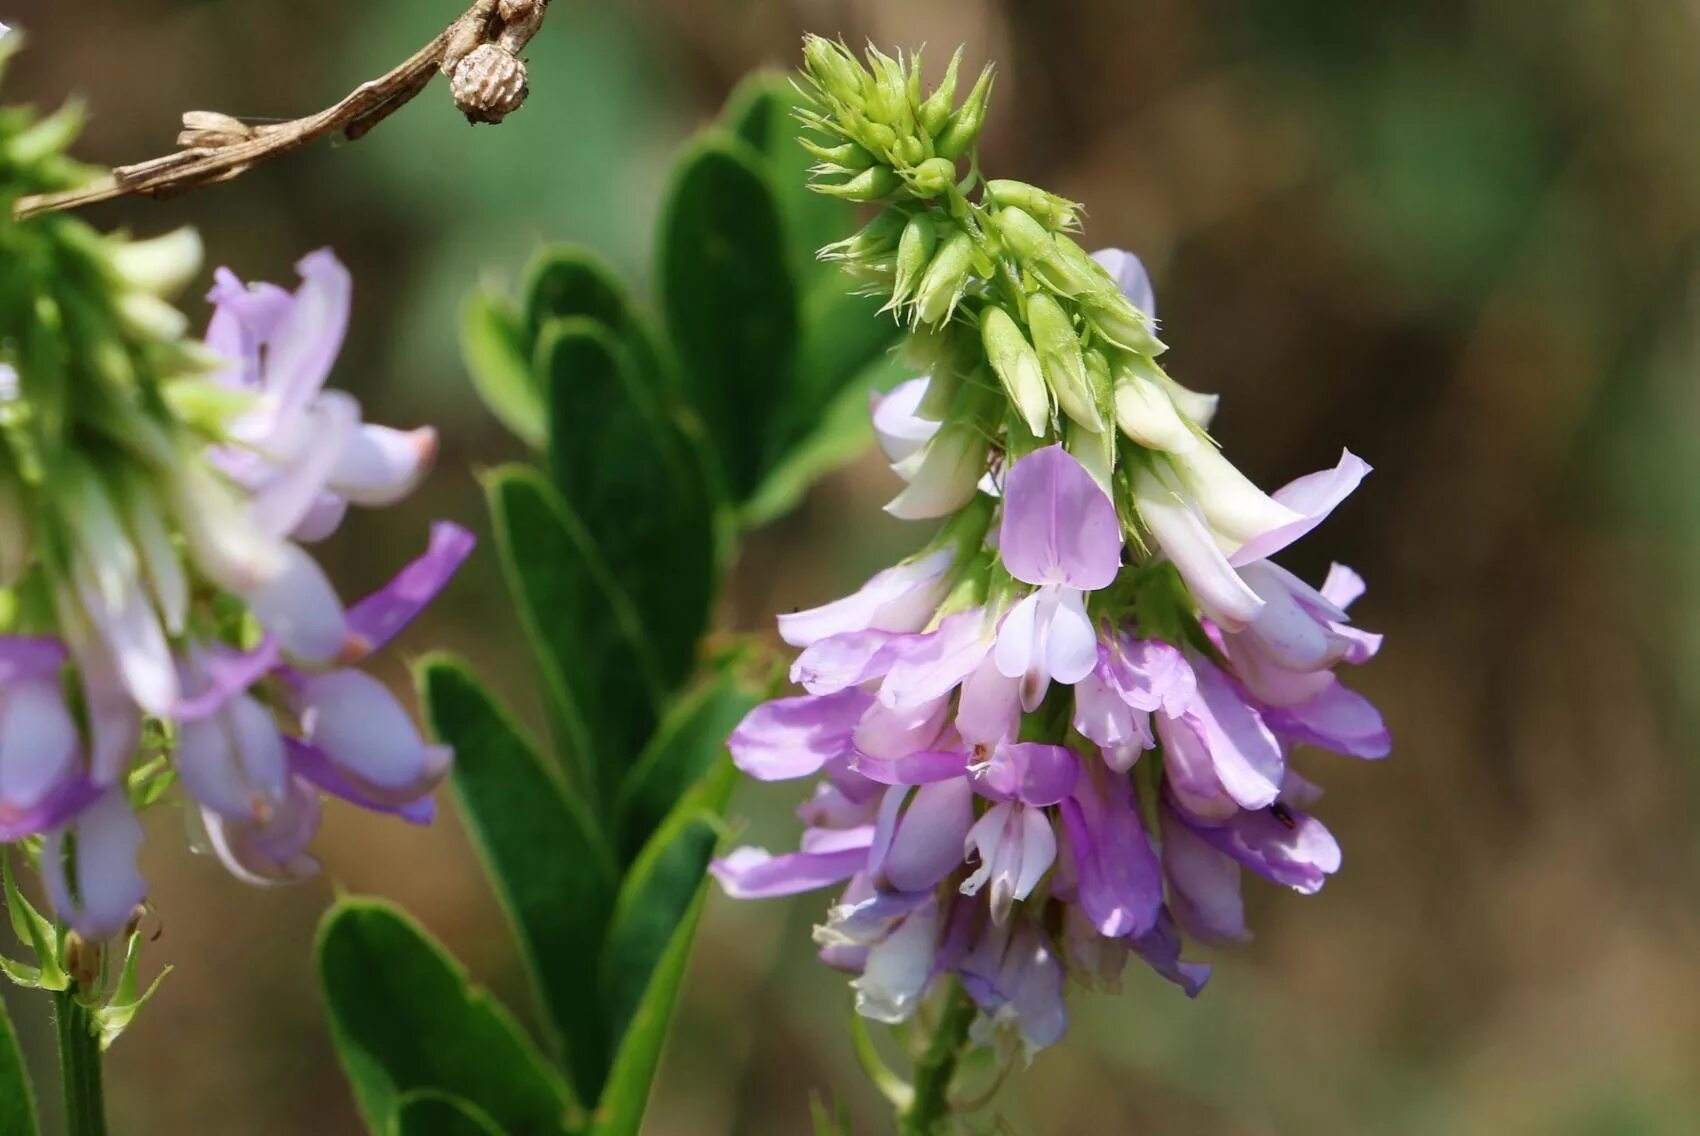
(929, 1108)
(79, 1064)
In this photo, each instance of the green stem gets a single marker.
(79, 1065)
(930, 1107)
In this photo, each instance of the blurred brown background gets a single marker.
(1459, 236)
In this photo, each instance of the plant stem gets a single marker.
(930, 1106)
(79, 1065)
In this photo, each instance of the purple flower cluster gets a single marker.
(1043, 746)
(259, 704)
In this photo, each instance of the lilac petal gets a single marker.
(107, 887)
(323, 517)
(1031, 772)
(930, 666)
(900, 431)
(886, 734)
(899, 968)
(270, 852)
(750, 873)
(70, 797)
(1152, 675)
(989, 707)
(1189, 771)
(927, 843)
(922, 768)
(1016, 847)
(1058, 527)
(224, 674)
(1181, 532)
(1104, 718)
(363, 729)
(1313, 497)
(1130, 276)
(1119, 880)
(1071, 646)
(285, 499)
(839, 662)
(1160, 947)
(1204, 884)
(1343, 586)
(381, 616)
(379, 465)
(114, 721)
(943, 476)
(1244, 752)
(24, 657)
(312, 764)
(300, 608)
(901, 598)
(39, 744)
(307, 337)
(794, 737)
(1288, 632)
(831, 807)
(1336, 719)
(1283, 845)
(234, 762)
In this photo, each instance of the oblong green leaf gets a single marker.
(498, 358)
(729, 300)
(541, 848)
(17, 1101)
(684, 749)
(431, 1113)
(587, 639)
(620, 1110)
(626, 471)
(566, 281)
(404, 1017)
(761, 112)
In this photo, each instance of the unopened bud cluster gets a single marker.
(1054, 738)
(162, 624)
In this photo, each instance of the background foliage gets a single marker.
(1459, 237)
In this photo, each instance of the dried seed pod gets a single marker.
(489, 84)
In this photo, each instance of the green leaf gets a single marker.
(121, 1009)
(494, 349)
(431, 1113)
(656, 894)
(689, 741)
(844, 335)
(626, 471)
(729, 299)
(551, 867)
(33, 929)
(17, 1101)
(566, 281)
(759, 112)
(620, 1111)
(404, 1017)
(587, 639)
(843, 434)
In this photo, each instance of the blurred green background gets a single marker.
(1459, 236)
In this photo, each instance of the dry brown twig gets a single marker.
(479, 53)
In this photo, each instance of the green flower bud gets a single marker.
(1118, 321)
(1055, 213)
(1058, 345)
(847, 157)
(963, 127)
(914, 252)
(942, 284)
(1030, 242)
(1146, 413)
(936, 110)
(948, 353)
(1018, 368)
(878, 237)
(162, 266)
(870, 185)
(834, 70)
(932, 177)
